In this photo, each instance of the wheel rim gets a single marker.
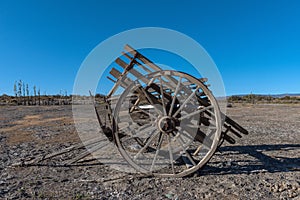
(169, 126)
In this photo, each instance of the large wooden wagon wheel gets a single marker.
(167, 124)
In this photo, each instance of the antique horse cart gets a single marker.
(163, 122)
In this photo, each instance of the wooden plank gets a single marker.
(232, 130)
(115, 73)
(148, 62)
(145, 60)
(137, 63)
(156, 88)
(130, 50)
(234, 124)
(134, 72)
(229, 139)
(121, 62)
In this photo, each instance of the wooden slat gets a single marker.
(148, 62)
(232, 130)
(115, 73)
(121, 62)
(229, 139)
(137, 63)
(137, 74)
(142, 58)
(130, 50)
(234, 124)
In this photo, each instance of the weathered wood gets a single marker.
(235, 125)
(142, 58)
(115, 73)
(232, 130)
(137, 74)
(138, 63)
(120, 79)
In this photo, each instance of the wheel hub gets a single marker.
(166, 124)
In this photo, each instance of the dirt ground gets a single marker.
(262, 165)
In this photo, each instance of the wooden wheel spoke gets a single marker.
(174, 96)
(141, 131)
(147, 144)
(185, 102)
(171, 154)
(197, 135)
(181, 142)
(162, 97)
(161, 136)
(195, 113)
(186, 135)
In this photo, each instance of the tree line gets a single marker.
(252, 98)
(25, 96)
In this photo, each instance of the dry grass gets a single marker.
(19, 131)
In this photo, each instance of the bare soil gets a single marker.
(262, 165)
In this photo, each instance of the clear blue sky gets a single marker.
(255, 44)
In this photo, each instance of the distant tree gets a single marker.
(34, 93)
(27, 93)
(24, 99)
(27, 90)
(15, 89)
(39, 94)
(20, 88)
(20, 91)
(24, 89)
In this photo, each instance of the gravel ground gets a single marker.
(262, 165)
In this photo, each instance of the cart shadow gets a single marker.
(231, 160)
(254, 159)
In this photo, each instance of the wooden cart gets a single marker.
(165, 123)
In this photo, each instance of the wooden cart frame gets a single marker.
(165, 123)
